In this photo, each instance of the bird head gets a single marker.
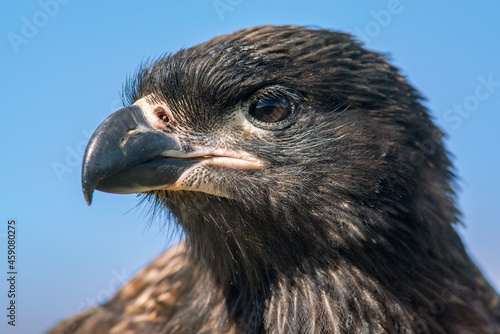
(274, 146)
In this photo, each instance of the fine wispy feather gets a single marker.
(313, 189)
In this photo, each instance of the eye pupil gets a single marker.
(271, 109)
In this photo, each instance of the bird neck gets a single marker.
(327, 268)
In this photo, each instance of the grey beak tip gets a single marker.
(88, 196)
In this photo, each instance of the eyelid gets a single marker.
(280, 98)
(271, 92)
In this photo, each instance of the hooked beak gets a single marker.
(127, 155)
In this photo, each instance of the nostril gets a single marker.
(162, 114)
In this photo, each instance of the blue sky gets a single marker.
(63, 64)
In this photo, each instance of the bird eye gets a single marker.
(271, 109)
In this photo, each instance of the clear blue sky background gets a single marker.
(59, 80)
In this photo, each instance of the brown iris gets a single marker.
(271, 109)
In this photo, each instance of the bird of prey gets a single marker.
(313, 189)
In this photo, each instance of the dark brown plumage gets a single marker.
(314, 191)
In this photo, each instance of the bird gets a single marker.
(313, 189)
